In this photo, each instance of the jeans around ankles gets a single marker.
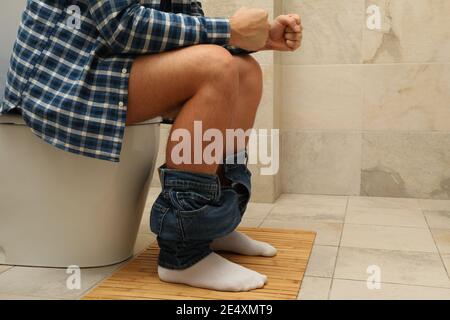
(193, 209)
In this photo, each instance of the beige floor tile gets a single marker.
(390, 203)
(49, 283)
(438, 219)
(328, 234)
(258, 210)
(22, 297)
(4, 268)
(290, 212)
(145, 224)
(322, 262)
(434, 205)
(315, 288)
(143, 241)
(386, 217)
(389, 238)
(401, 267)
(446, 259)
(357, 290)
(306, 200)
(442, 238)
(251, 223)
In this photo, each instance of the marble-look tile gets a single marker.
(388, 238)
(434, 205)
(332, 31)
(438, 219)
(263, 186)
(442, 238)
(446, 259)
(322, 97)
(328, 234)
(227, 8)
(265, 116)
(409, 165)
(398, 41)
(358, 290)
(18, 297)
(401, 267)
(380, 202)
(144, 228)
(49, 283)
(4, 268)
(258, 210)
(314, 288)
(251, 223)
(386, 217)
(321, 162)
(288, 212)
(312, 200)
(406, 97)
(322, 261)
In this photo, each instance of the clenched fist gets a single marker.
(285, 33)
(249, 29)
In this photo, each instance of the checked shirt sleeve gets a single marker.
(131, 28)
(196, 10)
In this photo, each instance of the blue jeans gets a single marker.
(193, 209)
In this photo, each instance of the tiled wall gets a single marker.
(368, 112)
(361, 112)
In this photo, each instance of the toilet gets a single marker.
(59, 209)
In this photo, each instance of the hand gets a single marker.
(285, 33)
(249, 29)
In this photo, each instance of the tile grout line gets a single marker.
(435, 243)
(397, 283)
(338, 250)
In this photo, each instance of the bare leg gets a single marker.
(204, 80)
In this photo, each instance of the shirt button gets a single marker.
(124, 71)
(121, 104)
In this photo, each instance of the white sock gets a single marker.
(216, 273)
(240, 243)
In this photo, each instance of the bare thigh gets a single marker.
(161, 83)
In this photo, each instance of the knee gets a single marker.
(219, 65)
(250, 76)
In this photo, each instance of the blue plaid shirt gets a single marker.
(69, 76)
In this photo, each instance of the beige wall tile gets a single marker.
(388, 238)
(402, 267)
(406, 165)
(4, 268)
(314, 288)
(357, 290)
(321, 162)
(411, 32)
(332, 31)
(412, 97)
(322, 97)
(227, 8)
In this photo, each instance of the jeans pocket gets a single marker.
(157, 217)
(211, 222)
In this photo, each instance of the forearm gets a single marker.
(131, 28)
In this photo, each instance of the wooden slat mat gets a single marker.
(139, 280)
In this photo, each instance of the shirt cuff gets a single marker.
(218, 30)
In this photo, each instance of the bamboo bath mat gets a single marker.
(139, 280)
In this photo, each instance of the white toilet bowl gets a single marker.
(58, 209)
